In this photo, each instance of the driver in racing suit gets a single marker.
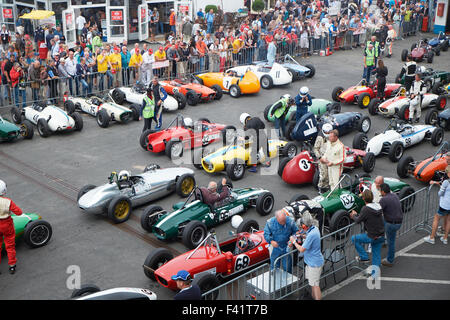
(418, 89)
(319, 151)
(409, 70)
(391, 35)
(334, 157)
(7, 231)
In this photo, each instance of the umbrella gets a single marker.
(38, 15)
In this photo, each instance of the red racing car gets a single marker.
(303, 169)
(182, 134)
(211, 262)
(362, 93)
(193, 92)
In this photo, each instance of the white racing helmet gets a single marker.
(188, 122)
(286, 96)
(243, 117)
(326, 129)
(3, 188)
(236, 221)
(124, 175)
(304, 91)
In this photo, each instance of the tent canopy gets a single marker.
(38, 15)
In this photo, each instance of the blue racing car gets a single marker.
(441, 42)
(297, 70)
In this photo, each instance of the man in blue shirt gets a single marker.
(209, 21)
(188, 291)
(277, 232)
(200, 14)
(303, 100)
(312, 254)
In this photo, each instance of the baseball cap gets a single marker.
(182, 275)
(161, 48)
(150, 50)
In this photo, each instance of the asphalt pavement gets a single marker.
(45, 174)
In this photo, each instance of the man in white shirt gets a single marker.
(147, 70)
(71, 68)
(80, 21)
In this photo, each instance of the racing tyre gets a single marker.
(363, 100)
(150, 216)
(207, 282)
(360, 141)
(174, 149)
(290, 150)
(407, 204)
(282, 165)
(193, 234)
(266, 82)
(265, 203)
(368, 162)
(373, 106)
(143, 139)
(339, 220)
(37, 233)
(118, 96)
(235, 169)
(69, 106)
(437, 88)
(437, 136)
(441, 102)
(16, 115)
(413, 46)
(235, 91)
(180, 99)
(43, 128)
(299, 197)
(228, 134)
(85, 289)
(428, 84)
(404, 166)
(364, 124)
(335, 108)
(247, 225)
(218, 90)
(185, 184)
(336, 93)
(192, 98)
(135, 110)
(445, 46)
(78, 121)
(103, 118)
(119, 209)
(85, 189)
(403, 113)
(156, 259)
(430, 57)
(437, 51)
(431, 117)
(396, 151)
(404, 54)
(266, 112)
(27, 130)
(312, 70)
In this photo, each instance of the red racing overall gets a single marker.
(7, 206)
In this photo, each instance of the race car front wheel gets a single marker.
(119, 209)
(368, 162)
(43, 128)
(396, 151)
(235, 170)
(143, 139)
(235, 91)
(37, 233)
(193, 234)
(26, 130)
(103, 118)
(150, 216)
(437, 136)
(207, 282)
(404, 166)
(339, 220)
(265, 203)
(156, 259)
(185, 184)
(84, 290)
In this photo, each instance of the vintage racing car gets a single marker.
(193, 92)
(362, 93)
(103, 110)
(421, 51)
(441, 88)
(429, 76)
(298, 71)
(441, 41)
(92, 292)
(269, 76)
(190, 219)
(211, 263)
(432, 168)
(396, 137)
(230, 82)
(48, 119)
(34, 231)
(135, 95)
(441, 120)
(11, 132)
(124, 191)
(179, 136)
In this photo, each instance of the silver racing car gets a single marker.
(125, 191)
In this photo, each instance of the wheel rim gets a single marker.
(366, 101)
(176, 149)
(433, 118)
(197, 235)
(238, 170)
(229, 134)
(233, 91)
(265, 82)
(268, 204)
(292, 151)
(23, 130)
(122, 209)
(398, 153)
(187, 185)
(39, 235)
(439, 137)
(365, 125)
(442, 103)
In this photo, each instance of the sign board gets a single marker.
(69, 20)
(7, 13)
(116, 15)
(143, 14)
(183, 8)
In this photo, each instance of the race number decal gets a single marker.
(242, 262)
(36, 118)
(224, 215)
(304, 165)
(227, 82)
(408, 142)
(347, 200)
(277, 74)
(311, 128)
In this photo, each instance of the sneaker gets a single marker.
(12, 269)
(440, 231)
(444, 240)
(358, 259)
(428, 239)
(253, 169)
(386, 263)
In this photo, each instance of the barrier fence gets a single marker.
(338, 251)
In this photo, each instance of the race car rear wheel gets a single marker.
(78, 121)
(235, 169)
(266, 112)
(289, 131)
(143, 139)
(282, 165)
(85, 189)
(85, 289)
(69, 106)
(290, 150)
(266, 82)
(37, 233)
(364, 124)
(193, 234)
(228, 134)
(404, 166)
(431, 117)
(441, 102)
(235, 91)
(265, 203)
(27, 130)
(118, 96)
(103, 118)
(336, 93)
(403, 113)
(156, 259)
(119, 209)
(218, 90)
(192, 98)
(430, 57)
(368, 162)
(174, 149)
(404, 54)
(207, 282)
(247, 225)
(334, 107)
(364, 100)
(181, 99)
(150, 216)
(16, 115)
(185, 184)
(312, 70)
(396, 151)
(135, 110)
(43, 128)
(339, 220)
(373, 106)
(437, 88)
(360, 141)
(407, 203)
(437, 136)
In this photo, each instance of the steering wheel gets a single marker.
(242, 243)
(364, 185)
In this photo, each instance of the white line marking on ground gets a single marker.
(428, 281)
(432, 256)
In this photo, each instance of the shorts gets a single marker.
(443, 212)
(313, 275)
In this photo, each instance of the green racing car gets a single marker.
(34, 231)
(11, 132)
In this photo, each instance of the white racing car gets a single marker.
(48, 118)
(104, 110)
(396, 138)
(92, 292)
(136, 94)
(277, 75)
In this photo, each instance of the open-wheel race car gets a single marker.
(190, 220)
(269, 76)
(48, 118)
(340, 201)
(32, 229)
(432, 168)
(193, 92)
(125, 191)
(211, 263)
(180, 135)
(429, 76)
(441, 41)
(441, 119)
(297, 70)
(230, 82)
(10, 132)
(421, 51)
(92, 292)
(441, 88)
(135, 95)
(362, 93)
(397, 137)
(104, 110)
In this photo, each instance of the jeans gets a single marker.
(301, 111)
(172, 28)
(202, 64)
(101, 80)
(209, 28)
(323, 43)
(367, 71)
(35, 94)
(391, 233)
(18, 92)
(161, 27)
(280, 123)
(332, 38)
(287, 261)
(359, 239)
(85, 86)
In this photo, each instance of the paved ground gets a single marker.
(44, 176)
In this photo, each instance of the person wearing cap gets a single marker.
(303, 100)
(188, 291)
(148, 110)
(369, 61)
(160, 55)
(320, 146)
(334, 157)
(7, 230)
(136, 63)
